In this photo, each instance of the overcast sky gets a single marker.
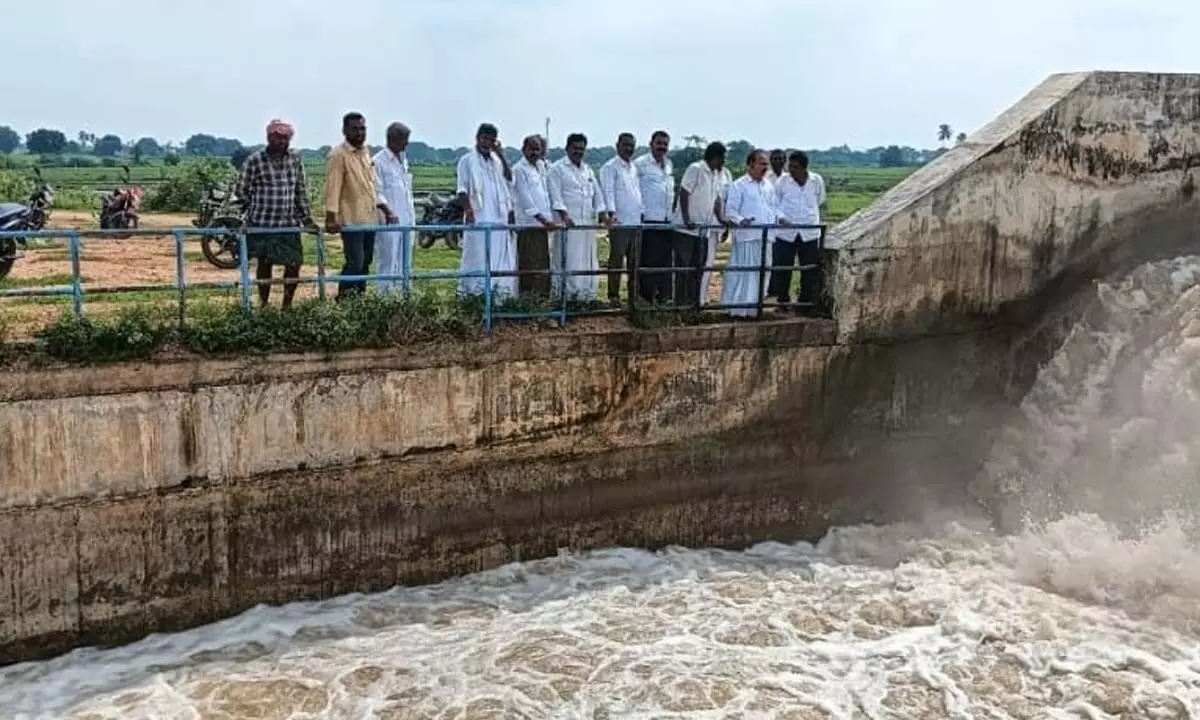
(776, 72)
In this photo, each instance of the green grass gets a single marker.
(11, 283)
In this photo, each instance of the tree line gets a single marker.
(53, 145)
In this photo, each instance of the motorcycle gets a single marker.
(15, 217)
(438, 209)
(220, 208)
(119, 209)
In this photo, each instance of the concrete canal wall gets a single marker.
(150, 497)
(139, 498)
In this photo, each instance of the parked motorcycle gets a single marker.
(438, 209)
(119, 209)
(220, 207)
(15, 217)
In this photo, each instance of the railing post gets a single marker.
(180, 280)
(76, 282)
(762, 273)
(487, 278)
(320, 265)
(244, 268)
(406, 259)
(562, 274)
(633, 261)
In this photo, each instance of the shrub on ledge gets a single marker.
(370, 321)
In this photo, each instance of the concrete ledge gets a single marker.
(196, 372)
(90, 434)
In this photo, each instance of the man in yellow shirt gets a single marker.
(351, 199)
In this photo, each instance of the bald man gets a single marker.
(393, 178)
(534, 218)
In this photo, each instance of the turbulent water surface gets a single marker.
(1073, 617)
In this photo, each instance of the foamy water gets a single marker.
(1095, 614)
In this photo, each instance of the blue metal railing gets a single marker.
(77, 291)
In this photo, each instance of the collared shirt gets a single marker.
(531, 197)
(801, 205)
(574, 190)
(658, 187)
(274, 189)
(350, 192)
(393, 179)
(622, 192)
(705, 188)
(753, 200)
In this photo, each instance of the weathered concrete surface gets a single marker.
(114, 431)
(203, 499)
(1083, 171)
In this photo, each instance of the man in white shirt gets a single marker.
(701, 192)
(393, 179)
(657, 183)
(575, 196)
(799, 196)
(623, 201)
(533, 215)
(778, 159)
(486, 198)
(749, 201)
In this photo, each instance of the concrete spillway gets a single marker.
(149, 497)
(1085, 171)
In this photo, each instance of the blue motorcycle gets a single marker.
(15, 217)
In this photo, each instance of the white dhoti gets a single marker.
(580, 255)
(745, 287)
(475, 259)
(714, 239)
(393, 256)
(480, 178)
(393, 248)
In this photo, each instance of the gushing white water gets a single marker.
(1091, 614)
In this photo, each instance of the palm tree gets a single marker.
(944, 133)
(695, 141)
(962, 138)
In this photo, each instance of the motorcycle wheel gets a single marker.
(452, 241)
(125, 222)
(8, 251)
(426, 240)
(221, 250)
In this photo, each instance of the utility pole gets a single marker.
(547, 132)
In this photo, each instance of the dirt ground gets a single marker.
(109, 262)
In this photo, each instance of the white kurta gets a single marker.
(394, 180)
(574, 190)
(482, 181)
(753, 201)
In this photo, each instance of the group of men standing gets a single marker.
(556, 209)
